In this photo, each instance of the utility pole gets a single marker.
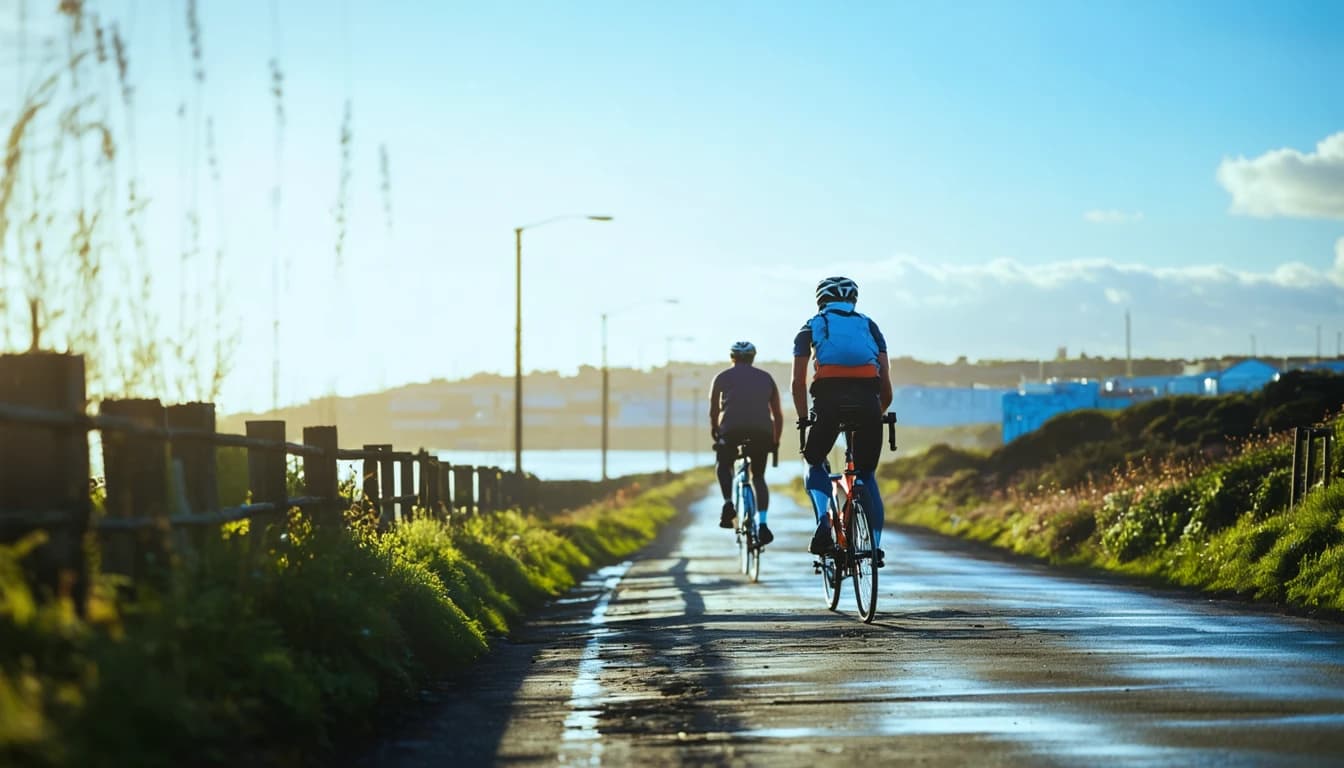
(1252, 345)
(667, 427)
(1318, 342)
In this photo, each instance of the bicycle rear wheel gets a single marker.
(754, 566)
(862, 565)
(746, 535)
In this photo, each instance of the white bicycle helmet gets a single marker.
(836, 289)
(743, 350)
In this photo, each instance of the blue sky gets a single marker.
(1001, 178)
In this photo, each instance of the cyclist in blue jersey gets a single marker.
(851, 375)
(744, 404)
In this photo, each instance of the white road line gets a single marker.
(582, 740)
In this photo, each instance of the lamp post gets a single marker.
(667, 426)
(606, 388)
(518, 331)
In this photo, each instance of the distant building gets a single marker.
(1334, 366)
(948, 406)
(1246, 376)
(1035, 403)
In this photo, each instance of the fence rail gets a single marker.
(161, 479)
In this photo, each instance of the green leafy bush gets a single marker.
(272, 645)
(1154, 521)
(1271, 494)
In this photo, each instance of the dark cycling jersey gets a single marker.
(744, 393)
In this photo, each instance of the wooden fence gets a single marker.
(160, 476)
(1313, 457)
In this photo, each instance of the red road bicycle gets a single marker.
(854, 550)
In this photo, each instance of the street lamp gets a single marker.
(667, 426)
(518, 331)
(606, 389)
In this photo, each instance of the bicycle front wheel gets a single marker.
(862, 561)
(830, 580)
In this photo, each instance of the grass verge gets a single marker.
(274, 647)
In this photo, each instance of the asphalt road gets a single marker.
(974, 659)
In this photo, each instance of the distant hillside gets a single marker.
(564, 411)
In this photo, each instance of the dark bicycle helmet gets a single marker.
(743, 350)
(836, 289)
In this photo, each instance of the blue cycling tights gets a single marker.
(819, 488)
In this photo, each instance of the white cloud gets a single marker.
(1337, 274)
(1004, 308)
(1115, 296)
(1112, 216)
(1286, 182)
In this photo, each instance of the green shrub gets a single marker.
(1271, 495)
(1154, 521)
(1227, 491)
(274, 643)
(1067, 531)
(1311, 528)
(938, 461)
(1060, 435)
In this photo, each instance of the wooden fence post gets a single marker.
(266, 468)
(464, 493)
(487, 488)
(194, 472)
(1293, 486)
(44, 472)
(388, 481)
(321, 477)
(1329, 456)
(429, 483)
(1309, 468)
(408, 488)
(136, 466)
(445, 510)
(372, 490)
(194, 458)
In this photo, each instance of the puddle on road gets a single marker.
(582, 740)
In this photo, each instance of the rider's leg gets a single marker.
(725, 454)
(820, 440)
(867, 451)
(723, 467)
(759, 457)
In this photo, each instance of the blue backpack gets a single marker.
(842, 337)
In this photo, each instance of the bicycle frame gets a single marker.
(748, 543)
(852, 559)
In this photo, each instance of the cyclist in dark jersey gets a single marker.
(851, 374)
(744, 403)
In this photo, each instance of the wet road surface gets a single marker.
(676, 658)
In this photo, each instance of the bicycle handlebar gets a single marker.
(888, 418)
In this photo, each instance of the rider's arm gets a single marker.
(884, 381)
(800, 385)
(776, 413)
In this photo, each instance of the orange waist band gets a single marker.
(845, 372)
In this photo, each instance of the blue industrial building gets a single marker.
(948, 406)
(1035, 403)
